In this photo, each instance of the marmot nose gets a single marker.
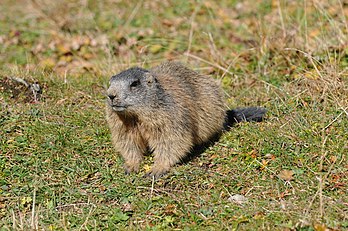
(111, 97)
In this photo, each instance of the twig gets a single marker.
(132, 15)
(74, 205)
(13, 220)
(193, 16)
(305, 24)
(157, 190)
(37, 6)
(210, 63)
(333, 121)
(33, 226)
(281, 19)
(272, 172)
(152, 185)
(20, 80)
(88, 216)
(343, 15)
(302, 52)
(321, 196)
(344, 109)
(321, 182)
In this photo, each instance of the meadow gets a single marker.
(59, 171)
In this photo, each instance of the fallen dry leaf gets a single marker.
(238, 199)
(320, 227)
(147, 167)
(48, 63)
(286, 175)
(63, 49)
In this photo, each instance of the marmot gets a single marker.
(166, 110)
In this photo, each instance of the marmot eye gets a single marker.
(135, 84)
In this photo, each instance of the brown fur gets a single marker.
(189, 111)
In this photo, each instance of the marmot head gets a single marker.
(131, 89)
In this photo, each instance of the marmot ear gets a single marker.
(150, 78)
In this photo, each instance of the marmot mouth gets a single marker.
(118, 107)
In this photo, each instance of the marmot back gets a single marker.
(167, 109)
(199, 94)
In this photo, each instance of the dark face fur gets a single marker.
(130, 89)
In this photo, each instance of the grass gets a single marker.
(58, 170)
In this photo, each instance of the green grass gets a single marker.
(58, 170)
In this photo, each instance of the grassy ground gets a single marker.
(58, 170)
